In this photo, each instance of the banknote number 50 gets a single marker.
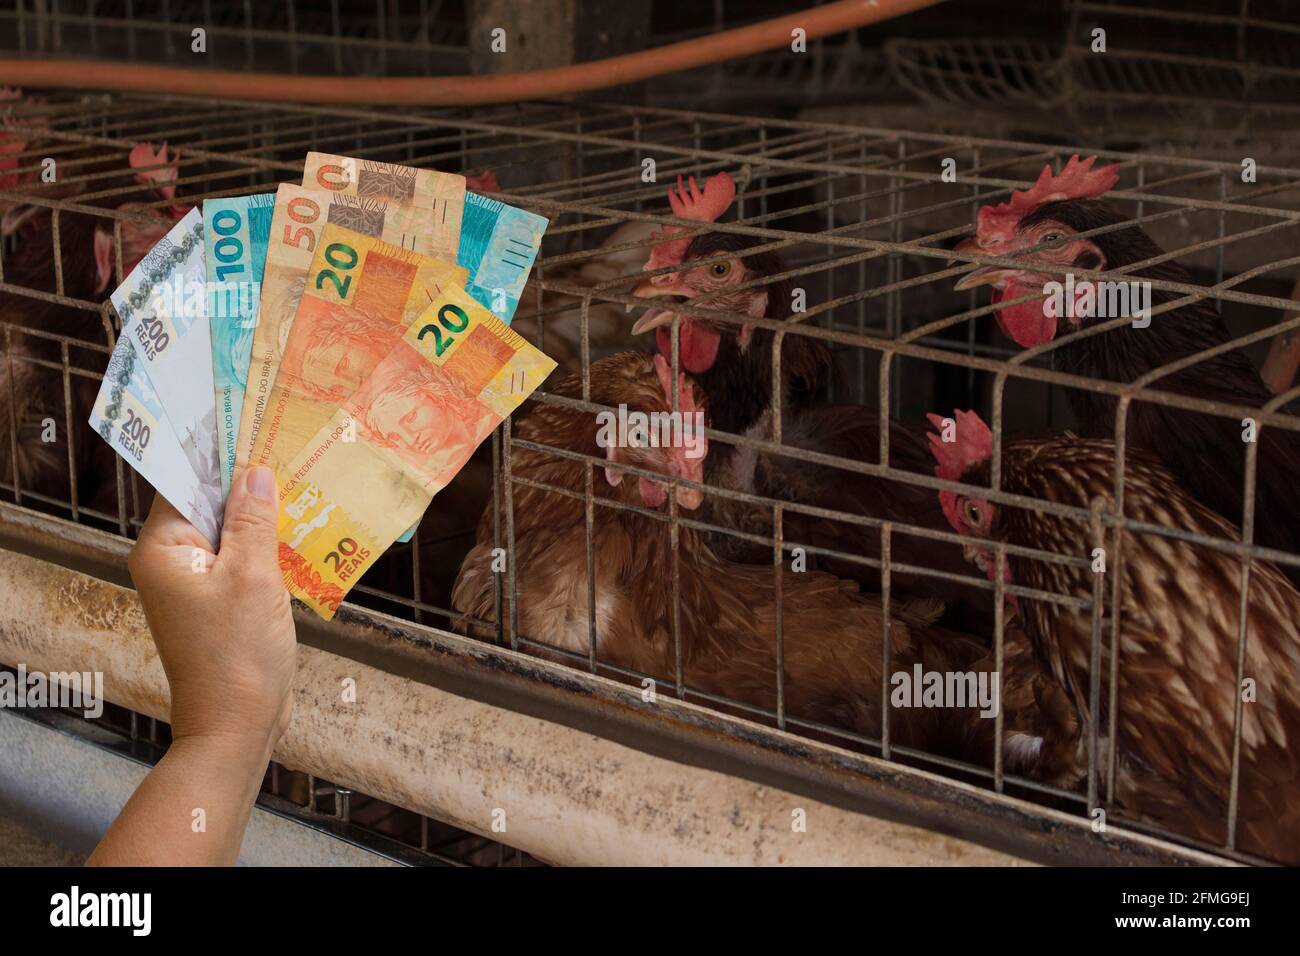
(450, 317)
(296, 213)
(342, 257)
(346, 548)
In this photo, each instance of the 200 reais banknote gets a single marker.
(163, 308)
(129, 415)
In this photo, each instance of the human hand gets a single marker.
(222, 622)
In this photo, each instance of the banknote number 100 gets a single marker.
(342, 257)
(228, 249)
(458, 322)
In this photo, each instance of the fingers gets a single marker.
(167, 526)
(248, 536)
(161, 513)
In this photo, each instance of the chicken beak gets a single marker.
(646, 289)
(983, 275)
(988, 275)
(969, 244)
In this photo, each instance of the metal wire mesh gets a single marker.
(340, 37)
(864, 222)
(1211, 71)
(1172, 72)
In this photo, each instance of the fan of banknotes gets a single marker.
(351, 333)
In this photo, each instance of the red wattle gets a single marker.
(1026, 324)
(697, 345)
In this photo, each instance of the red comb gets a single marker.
(704, 206)
(11, 97)
(974, 444)
(143, 156)
(689, 202)
(1078, 180)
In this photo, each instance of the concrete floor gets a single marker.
(60, 786)
(20, 847)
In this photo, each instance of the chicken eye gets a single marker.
(1054, 238)
(720, 270)
(972, 512)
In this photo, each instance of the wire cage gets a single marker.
(1173, 74)
(1210, 72)
(338, 37)
(864, 221)
(404, 38)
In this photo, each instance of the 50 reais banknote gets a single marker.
(300, 215)
(439, 196)
(496, 242)
(372, 468)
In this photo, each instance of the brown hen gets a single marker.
(1178, 624)
(832, 634)
(733, 364)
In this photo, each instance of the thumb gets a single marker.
(248, 532)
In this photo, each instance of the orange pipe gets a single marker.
(456, 90)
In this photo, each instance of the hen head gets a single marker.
(156, 173)
(656, 440)
(23, 128)
(1041, 225)
(722, 272)
(962, 446)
